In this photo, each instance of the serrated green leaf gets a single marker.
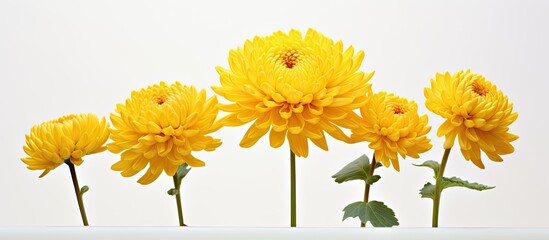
(84, 189)
(377, 213)
(182, 171)
(354, 210)
(430, 164)
(428, 191)
(458, 182)
(173, 191)
(357, 170)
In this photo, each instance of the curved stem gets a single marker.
(77, 191)
(177, 185)
(438, 187)
(367, 188)
(293, 218)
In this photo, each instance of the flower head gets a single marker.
(160, 126)
(296, 87)
(475, 111)
(69, 137)
(392, 126)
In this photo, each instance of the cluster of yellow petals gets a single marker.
(392, 126)
(160, 126)
(297, 87)
(475, 111)
(69, 137)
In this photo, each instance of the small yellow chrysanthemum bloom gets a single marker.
(296, 87)
(69, 137)
(392, 126)
(475, 111)
(160, 126)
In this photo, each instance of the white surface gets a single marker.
(138, 233)
(59, 57)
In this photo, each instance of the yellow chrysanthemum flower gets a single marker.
(475, 111)
(392, 126)
(296, 87)
(160, 126)
(69, 137)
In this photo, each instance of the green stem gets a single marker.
(77, 191)
(177, 184)
(438, 187)
(293, 219)
(367, 188)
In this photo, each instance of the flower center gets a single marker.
(160, 99)
(289, 57)
(399, 109)
(479, 88)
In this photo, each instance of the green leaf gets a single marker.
(371, 180)
(374, 211)
(428, 190)
(173, 191)
(357, 170)
(182, 171)
(84, 189)
(430, 164)
(458, 182)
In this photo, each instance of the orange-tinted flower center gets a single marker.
(479, 88)
(289, 57)
(399, 109)
(161, 99)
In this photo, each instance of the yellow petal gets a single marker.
(193, 162)
(298, 144)
(252, 136)
(276, 139)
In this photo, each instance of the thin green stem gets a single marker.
(438, 187)
(293, 219)
(367, 188)
(77, 191)
(177, 184)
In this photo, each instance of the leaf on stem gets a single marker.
(428, 190)
(182, 171)
(430, 164)
(357, 170)
(458, 182)
(377, 213)
(84, 189)
(173, 191)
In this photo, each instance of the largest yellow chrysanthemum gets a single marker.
(69, 137)
(475, 111)
(296, 87)
(160, 126)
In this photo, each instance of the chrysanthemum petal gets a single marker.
(252, 136)
(276, 139)
(149, 177)
(193, 162)
(320, 142)
(298, 144)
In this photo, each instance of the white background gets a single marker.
(61, 57)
